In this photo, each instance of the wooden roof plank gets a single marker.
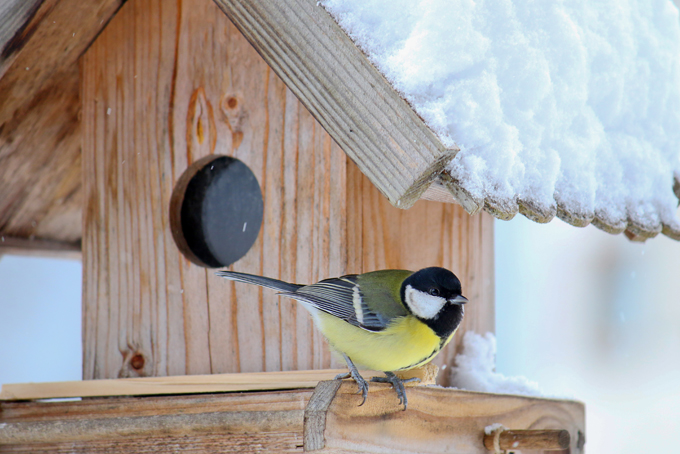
(40, 43)
(358, 107)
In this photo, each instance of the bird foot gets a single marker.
(397, 384)
(354, 375)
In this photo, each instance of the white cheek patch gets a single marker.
(423, 305)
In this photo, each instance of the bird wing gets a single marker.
(342, 297)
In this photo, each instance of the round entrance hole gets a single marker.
(216, 211)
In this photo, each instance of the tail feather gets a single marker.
(262, 281)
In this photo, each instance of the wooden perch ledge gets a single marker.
(326, 419)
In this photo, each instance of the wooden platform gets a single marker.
(328, 419)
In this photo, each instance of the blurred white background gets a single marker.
(585, 314)
(595, 317)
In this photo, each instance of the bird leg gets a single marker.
(354, 374)
(397, 384)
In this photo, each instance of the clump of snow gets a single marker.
(493, 428)
(474, 370)
(575, 101)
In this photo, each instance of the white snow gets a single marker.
(493, 427)
(548, 100)
(474, 370)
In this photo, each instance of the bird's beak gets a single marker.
(460, 299)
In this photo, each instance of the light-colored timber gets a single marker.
(149, 311)
(332, 78)
(40, 168)
(438, 420)
(520, 440)
(36, 247)
(189, 384)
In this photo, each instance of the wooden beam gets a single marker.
(271, 422)
(38, 247)
(438, 420)
(40, 167)
(48, 38)
(349, 97)
(40, 42)
(14, 18)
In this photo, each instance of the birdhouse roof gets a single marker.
(408, 149)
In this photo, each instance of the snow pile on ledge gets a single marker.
(474, 370)
(570, 102)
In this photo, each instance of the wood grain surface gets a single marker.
(191, 384)
(332, 77)
(437, 421)
(40, 169)
(441, 420)
(164, 85)
(167, 84)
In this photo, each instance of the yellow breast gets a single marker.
(404, 344)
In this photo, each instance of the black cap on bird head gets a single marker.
(434, 296)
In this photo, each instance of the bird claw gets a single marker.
(397, 384)
(354, 375)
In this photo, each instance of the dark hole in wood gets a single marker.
(216, 211)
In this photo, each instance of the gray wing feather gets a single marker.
(262, 281)
(337, 297)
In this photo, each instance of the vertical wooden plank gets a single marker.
(288, 310)
(427, 234)
(165, 84)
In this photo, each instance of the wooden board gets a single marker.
(189, 384)
(21, 246)
(438, 420)
(148, 311)
(358, 107)
(40, 42)
(40, 177)
(441, 420)
(164, 85)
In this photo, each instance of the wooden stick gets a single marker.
(187, 384)
(39, 247)
(547, 440)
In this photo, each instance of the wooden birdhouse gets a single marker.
(163, 140)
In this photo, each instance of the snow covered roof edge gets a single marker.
(599, 143)
(379, 127)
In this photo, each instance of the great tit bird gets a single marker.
(387, 320)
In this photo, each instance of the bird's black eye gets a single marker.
(434, 291)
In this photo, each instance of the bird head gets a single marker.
(434, 296)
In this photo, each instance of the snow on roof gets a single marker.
(567, 108)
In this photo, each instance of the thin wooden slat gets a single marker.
(168, 385)
(22, 246)
(345, 93)
(188, 384)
